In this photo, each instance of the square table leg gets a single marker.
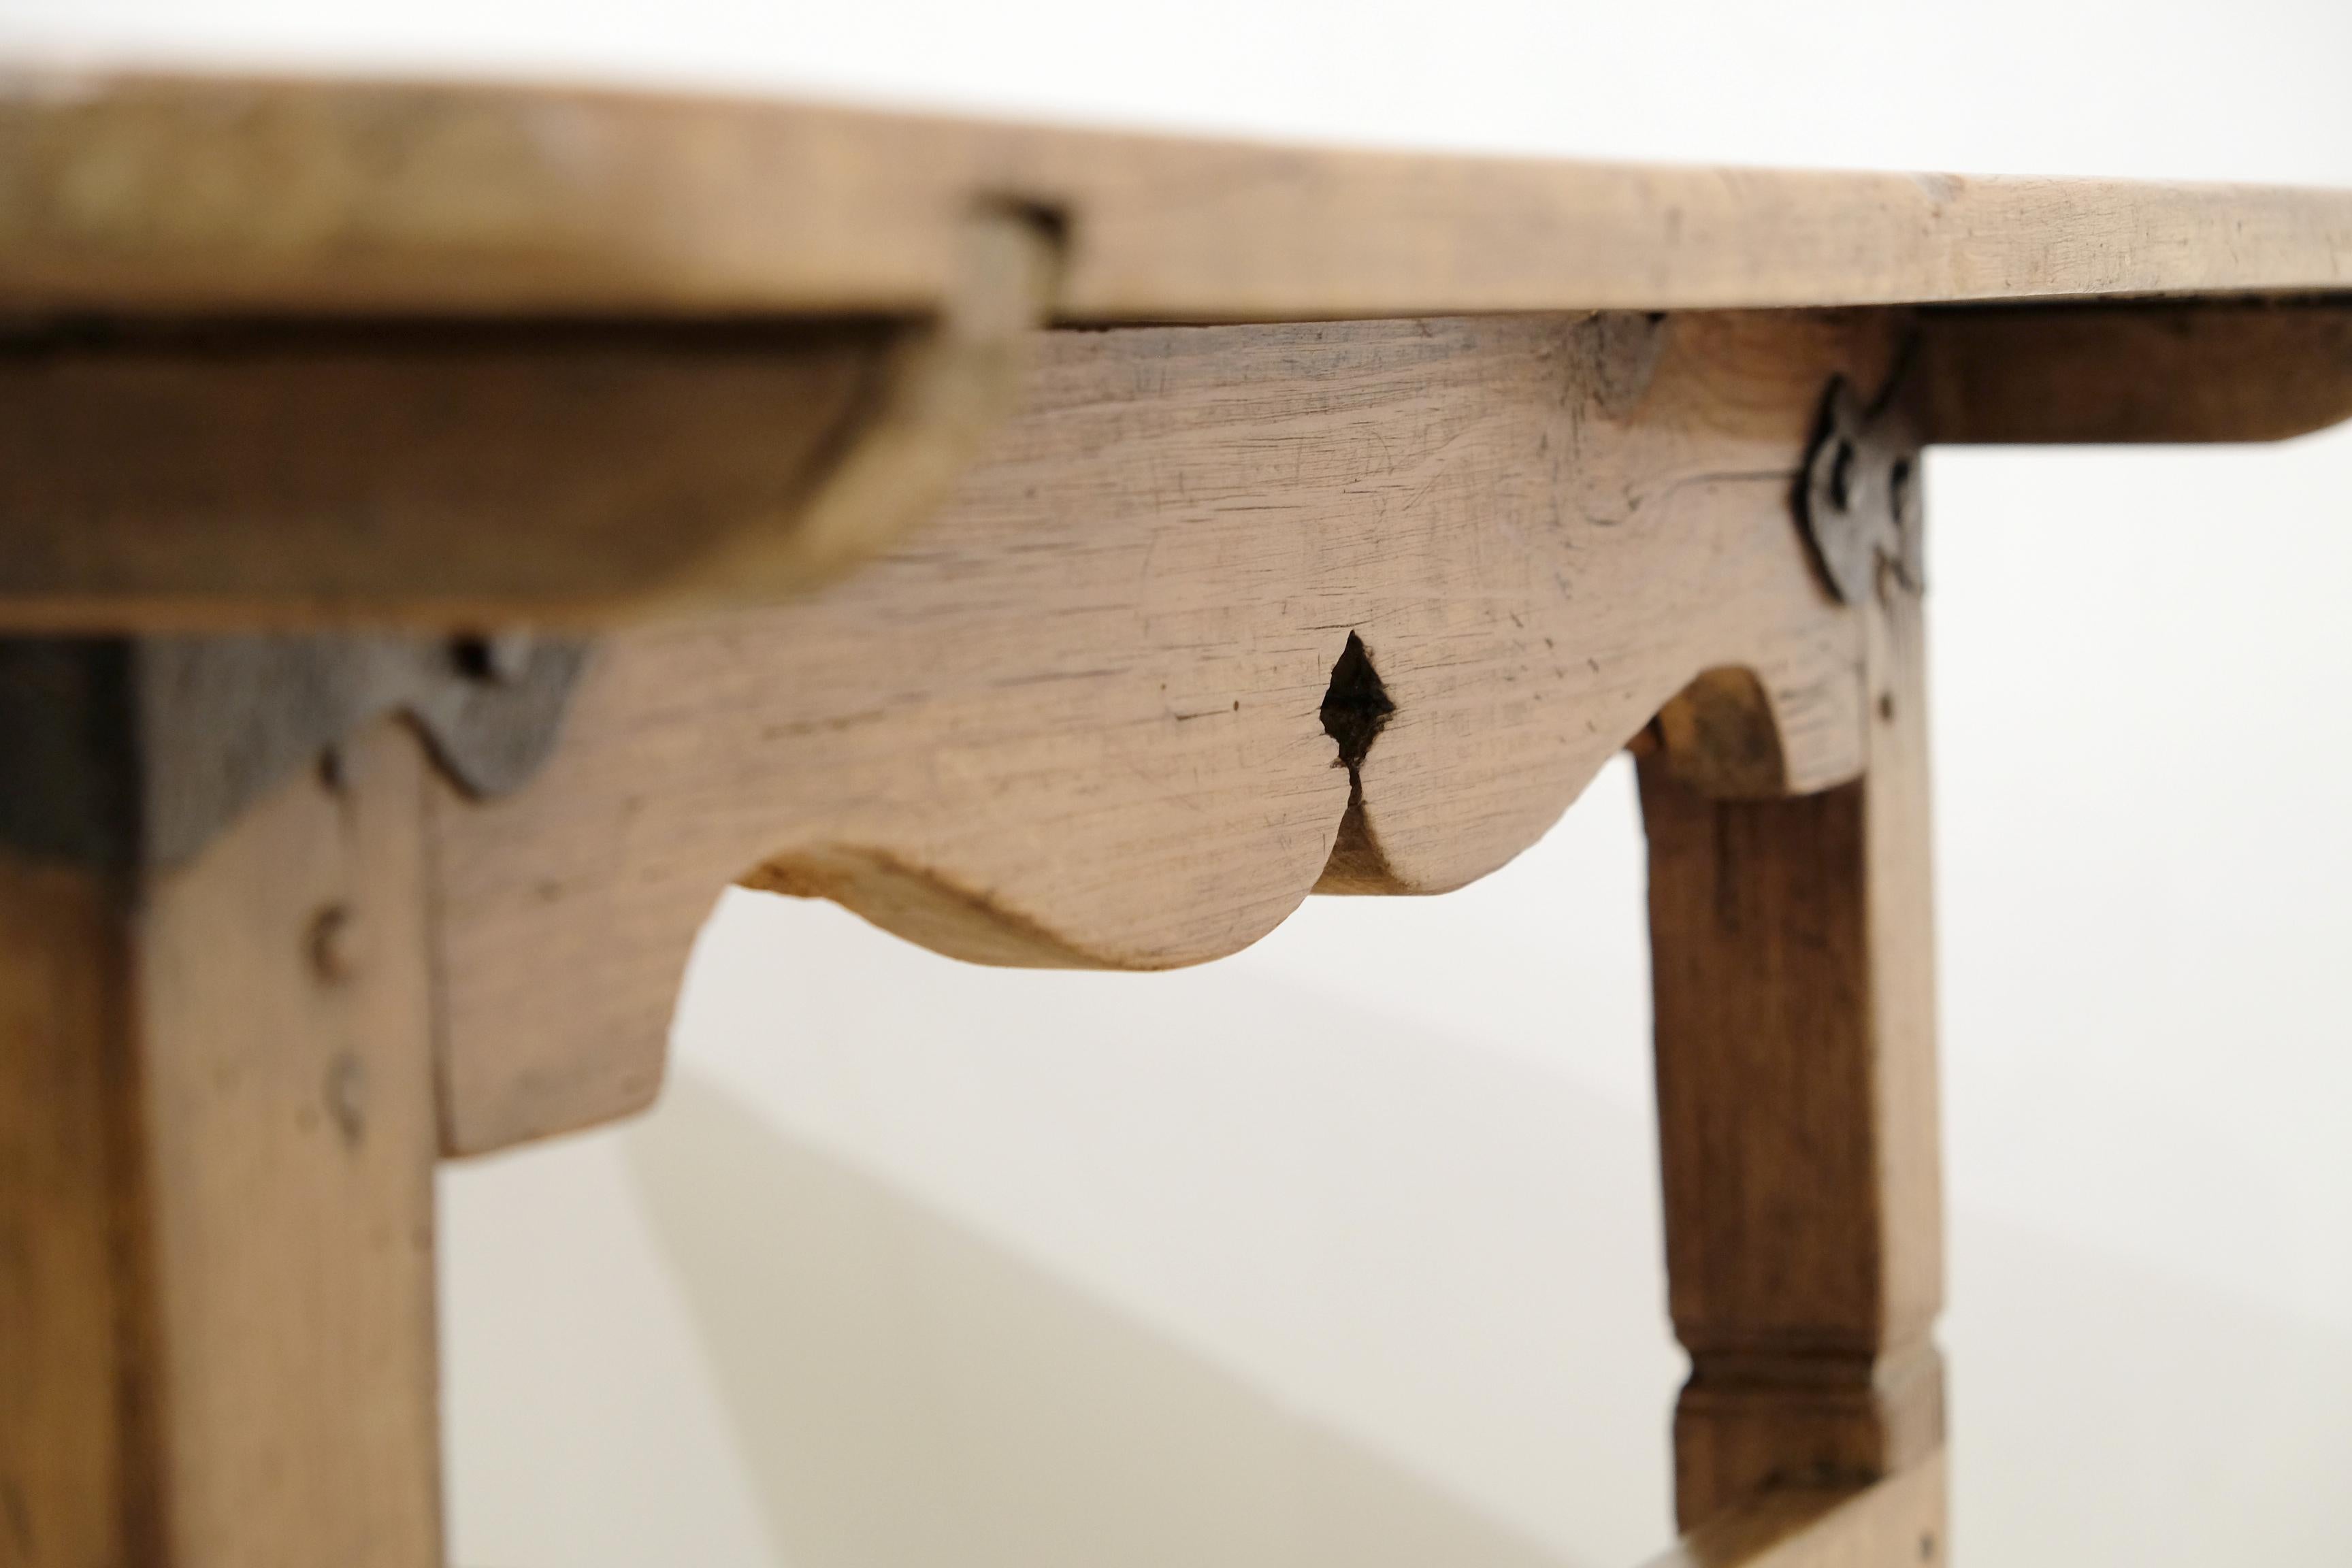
(216, 1141)
(1795, 1018)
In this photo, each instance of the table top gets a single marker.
(175, 195)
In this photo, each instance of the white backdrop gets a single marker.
(1346, 1250)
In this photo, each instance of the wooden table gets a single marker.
(448, 533)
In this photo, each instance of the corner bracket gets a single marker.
(1858, 497)
(122, 753)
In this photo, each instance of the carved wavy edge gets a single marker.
(1194, 796)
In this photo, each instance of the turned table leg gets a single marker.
(217, 1140)
(1795, 1017)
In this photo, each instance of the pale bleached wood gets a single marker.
(187, 477)
(232, 475)
(1898, 1523)
(1078, 722)
(191, 193)
(1792, 969)
(2214, 371)
(290, 476)
(217, 1141)
(1075, 719)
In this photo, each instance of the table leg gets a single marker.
(217, 1141)
(1795, 1017)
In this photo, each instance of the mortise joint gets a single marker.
(1719, 736)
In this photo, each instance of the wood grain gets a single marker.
(67, 1461)
(193, 477)
(284, 352)
(2215, 370)
(1076, 719)
(1897, 1522)
(217, 1342)
(214, 480)
(194, 195)
(160, 477)
(1794, 978)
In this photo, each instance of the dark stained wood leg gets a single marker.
(1795, 1015)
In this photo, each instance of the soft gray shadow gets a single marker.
(907, 1395)
(2103, 1411)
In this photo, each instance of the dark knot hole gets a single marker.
(1356, 705)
